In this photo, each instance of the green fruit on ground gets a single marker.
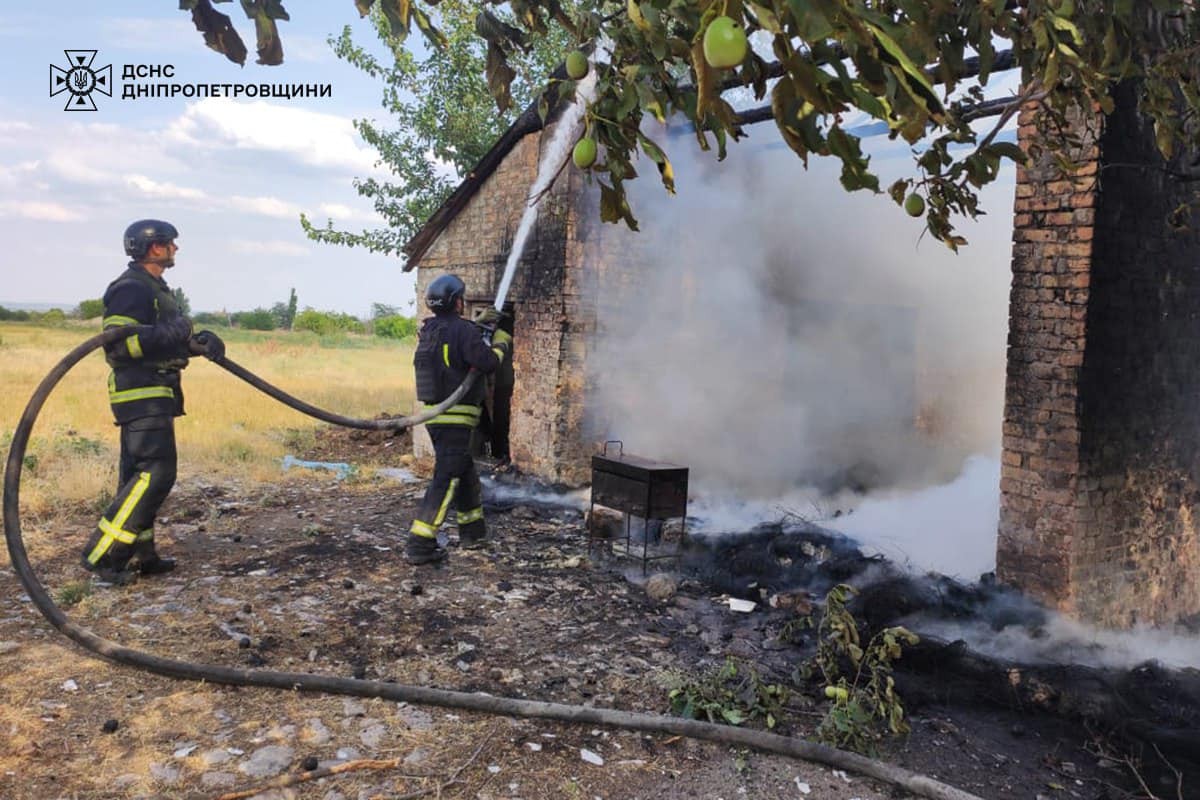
(584, 154)
(577, 65)
(914, 204)
(724, 43)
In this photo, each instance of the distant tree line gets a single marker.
(385, 321)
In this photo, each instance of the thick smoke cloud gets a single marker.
(784, 332)
(785, 335)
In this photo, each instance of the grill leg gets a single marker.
(591, 525)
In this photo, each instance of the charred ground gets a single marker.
(307, 575)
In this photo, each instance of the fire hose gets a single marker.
(915, 783)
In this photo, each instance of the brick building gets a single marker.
(1099, 478)
(1101, 475)
(471, 235)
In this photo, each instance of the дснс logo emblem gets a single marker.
(80, 80)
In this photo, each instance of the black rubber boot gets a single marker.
(106, 572)
(423, 550)
(156, 565)
(473, 535)
(149, 561)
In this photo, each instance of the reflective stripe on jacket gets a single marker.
(145, 366)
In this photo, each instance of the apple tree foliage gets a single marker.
(901, 62)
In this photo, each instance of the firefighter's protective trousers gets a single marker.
(147, 473)
(448, 347)
(455, 485)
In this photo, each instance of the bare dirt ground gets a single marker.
(308, 576)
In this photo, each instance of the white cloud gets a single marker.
(310, 49)
(311, 137)
(164, 191)
(267, 206)
(341, 213)
(17, 173)
(12, 129)
(275, 247)
(40, 211)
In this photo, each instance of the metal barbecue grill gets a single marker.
(655, 491)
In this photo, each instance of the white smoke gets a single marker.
(785, 335)
(566, 132)
(1061, 640)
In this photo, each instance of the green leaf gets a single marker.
(1009, 150)
(396, 14)
(430, 31)
(811, 24)
(657, 155)
(219, 34)
(766, 17)
(499, 76)
(732, 716)
(264, 13)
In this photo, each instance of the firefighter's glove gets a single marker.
(487, 316)
(207, 344)
(502, 339)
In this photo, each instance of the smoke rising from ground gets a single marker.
(784, 334)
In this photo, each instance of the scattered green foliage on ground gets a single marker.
(858, 680)
(732, 694)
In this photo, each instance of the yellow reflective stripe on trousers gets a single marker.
(117, 320)
(499, 351)
(423, 529)
(465, 517)
(144, 393)
(446, 354)
(135, 497)
(111, 534)
(441, 515)
(115, 530)
(135, 346)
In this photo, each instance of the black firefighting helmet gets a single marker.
(443, 293)
(145, 232)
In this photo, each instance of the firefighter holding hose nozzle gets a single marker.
(448, 347)
(145, 395)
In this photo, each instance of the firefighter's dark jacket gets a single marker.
(448, 346)
(145, 364)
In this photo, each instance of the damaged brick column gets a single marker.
(1099, 483)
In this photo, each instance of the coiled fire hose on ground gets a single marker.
(915, 783)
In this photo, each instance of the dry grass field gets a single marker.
(230, 430)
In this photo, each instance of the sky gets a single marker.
(232, 175)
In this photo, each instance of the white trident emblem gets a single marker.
(80, 80)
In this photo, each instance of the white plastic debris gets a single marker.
(493, 768)
(70, 685)
(744, 606)
(803, 787)
(185, 751)
(534, 747)
(837, 773)
(590, 757)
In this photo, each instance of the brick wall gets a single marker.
(1101, 431)
(475, 246)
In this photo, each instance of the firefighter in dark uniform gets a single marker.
(145, 396)
(448, 346)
